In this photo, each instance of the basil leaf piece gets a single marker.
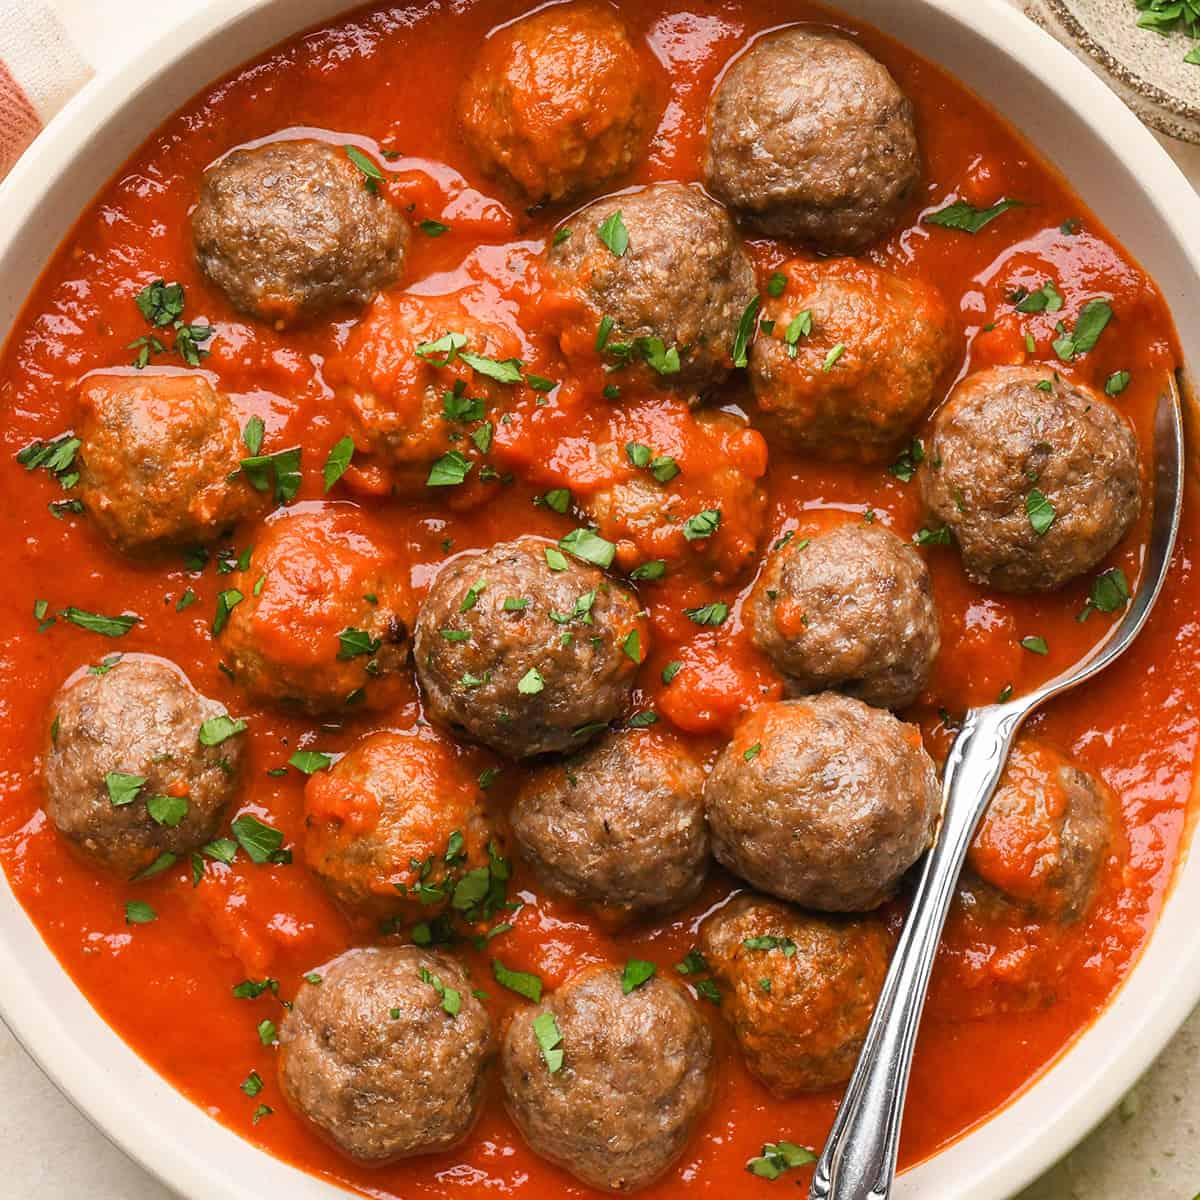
(966, 217)
(338, 461)
(636, 973)
(113, 627)
(521, 982)
(613, 234)
(258, 840)
(589, 546)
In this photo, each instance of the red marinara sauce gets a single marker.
(389, 77)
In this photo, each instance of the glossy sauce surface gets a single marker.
(1005, 1000)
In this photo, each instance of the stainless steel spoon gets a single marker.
(859, 1159)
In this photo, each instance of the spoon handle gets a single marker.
(859, 1159)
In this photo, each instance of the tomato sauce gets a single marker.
(1005, 1000)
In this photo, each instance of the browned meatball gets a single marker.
(809, 137)
(823, 801)
(671, 301)
(851, 609)
(852, 360)
(139, 763)
(559, 102)
(1011, 441)
(159, 460)
(620, 827)
(1044, 838)
(623, 1081)
(320, 619)
(291, 229)
(527, 653)
(385, 1055)
(395, 823)
(798, 990)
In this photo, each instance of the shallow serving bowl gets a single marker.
(1076, 123)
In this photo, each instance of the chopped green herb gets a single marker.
(643, 720)
(218, 729)
(283, 467)
(1040, 512)
(702, 525)
(799, 326)
(167, 810)
(371, 173)
(933, 537)
(556, 560)
(123, 789)
(1093, 320)
(251, 989)
(138, 912)
(778, 1157)
(1116, 383)
(531, 683)
(227, 601)
(637, 972)
(589, 546)
(354, 643)
(259, 841)
(549, 1038)
(966, 217)
(745, 332)
(664, 468)
(670, 671)
(186, 600)
(164, 862)
(521, 982)
(709, 614)
(338, 461)
(638, 455)
(776, 285)
(310, 761)
(449, 471)
(833, 357)
(252, 435)
(1045, 299)
(451, 998)
(648, 571)
(770, 942)
(557, 500)
(1109, 593)
(312, 978)
(1035, 645)
(660, 357)
(266, 1031)
(753, 752)
(113, 627)
(560, 236)
(707, 990)
(632, 645)
(433, 228)
(161, 303)
(613, 234)
(508, 371)
(905, 467)
(252, 1084)
(603, 332)
(692, 964)
(223, 850)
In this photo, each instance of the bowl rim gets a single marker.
(1095, 1069)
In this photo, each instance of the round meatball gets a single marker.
(290, 230)
(850, 609)
(320, 618)
(852, 360)
(616, 1099)
(823, 801)
(1044, 837)
(133, 770)
(1035, 476)
(620, 827)
(159, 460)
(395, 823)
(671, 300)
(525, 654)
(809, 137)
(410, 396)
(558, 102)
(668, 485)
(385, 1055)
(798, 990)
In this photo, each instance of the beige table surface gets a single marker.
(1147, 1150)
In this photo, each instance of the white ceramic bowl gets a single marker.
(1069, 115)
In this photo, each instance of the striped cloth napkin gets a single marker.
(40, 70)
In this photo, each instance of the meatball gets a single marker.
(525, 650)
(559, 102)
(810, 138)
(290, 230)
(670, 301)
(159, 460)
(850, 609)
(410, 396)
(620, 827)
(798, 990)
(320, 618)
(1044, 838)
(666, 485)
(852, 360)
(1035, 476)
(823, 801)
(615, 1099)
(395, 823)
(134, 770)
(384, 1052)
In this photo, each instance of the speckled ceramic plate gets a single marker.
(1146, 69)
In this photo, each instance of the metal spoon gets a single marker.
(859, 1159)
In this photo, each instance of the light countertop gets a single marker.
(1147, 1150)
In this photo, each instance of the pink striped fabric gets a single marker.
(40, 70)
